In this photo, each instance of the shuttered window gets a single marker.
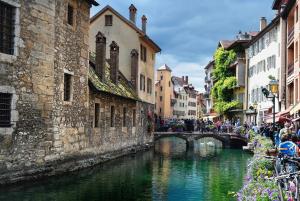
(5, 109)
(143, 53)
(108, 20)
(7, 28)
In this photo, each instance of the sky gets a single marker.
(188, 31)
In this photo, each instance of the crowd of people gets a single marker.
(283, 131)
(200, 125)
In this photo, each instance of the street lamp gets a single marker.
(255, 111)
(273, 89)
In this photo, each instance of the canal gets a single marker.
(167, 172)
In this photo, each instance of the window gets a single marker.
(108, 20)
(149, 86)
(160, 98)
(97, 112)
(7, 23)
(112, 116)
(296, 51)
(67, 87)
(161, 77)
(133, 117)
(124, 116)
(142, 82)
(70, 15)
(161, 88)
(169, 83)
(5, 109)
(159, 110)
(297, 13)
(143, 53)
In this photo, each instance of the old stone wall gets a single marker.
(49, 135)
(28, 75)
(106, 138)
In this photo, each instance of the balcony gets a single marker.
(290, 69)
(291, 35)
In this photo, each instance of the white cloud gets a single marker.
(195, 70)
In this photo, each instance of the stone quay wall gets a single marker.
(48, 135)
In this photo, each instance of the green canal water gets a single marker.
(168, 172)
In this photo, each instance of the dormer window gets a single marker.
(108, 20)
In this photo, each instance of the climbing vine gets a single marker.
(222, 91)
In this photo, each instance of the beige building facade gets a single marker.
(164, 92)
(131, 40)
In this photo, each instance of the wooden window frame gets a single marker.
(108, 20)
(143, 53)
(149, 86)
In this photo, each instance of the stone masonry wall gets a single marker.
(109, 139)
(29, 76)
(49, 135)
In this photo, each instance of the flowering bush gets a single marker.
(256, 186)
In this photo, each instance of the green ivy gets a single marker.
(222, 91)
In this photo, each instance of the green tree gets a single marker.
(222, 91)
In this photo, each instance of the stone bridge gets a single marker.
(228, 139)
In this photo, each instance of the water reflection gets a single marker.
(170, 147)
(207, 147)
(169, 172)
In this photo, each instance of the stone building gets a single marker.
(137, 50)
(164, 99)
(60, 111)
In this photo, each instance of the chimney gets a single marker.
(132, 13)
(114, 62)
(187, 79)
(134, 68)
(263, 23)
(100, 55)
(144, 23)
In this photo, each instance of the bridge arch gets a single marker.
(215, 136)
(158, 137)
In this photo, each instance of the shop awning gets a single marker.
(295, 109)
(211, 116)
(279, 117)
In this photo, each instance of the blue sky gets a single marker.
(188, 31)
